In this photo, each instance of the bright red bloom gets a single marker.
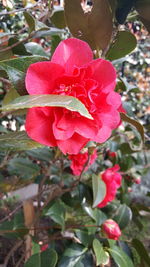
(112, 179)
(111, 229)
(80, 159)
(72, 71)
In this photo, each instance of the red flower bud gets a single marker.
(137, 180)
(44, 247)
(111, 229)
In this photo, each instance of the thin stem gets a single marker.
(18, 10)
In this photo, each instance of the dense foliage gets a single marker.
(74, 137)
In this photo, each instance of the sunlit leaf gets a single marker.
(99, 190)
(102, 257)
(29, 101)
(121, 47)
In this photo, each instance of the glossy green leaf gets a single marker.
(47, 258)
(102, 257)
(120, 257)
(18, 49)
(30, 21)
(58, 19)
(85, 238)
(29, 101)
(94, 27)
(123, 216)
(72, 256)
(121, 47)
(99, 190)
(57, 213)
(36, 49)
(17, 141)
(16, 69)
(138, 245)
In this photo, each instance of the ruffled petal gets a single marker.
(72, 52)
(39, 126)
(103, 134)
(114, 99)
(72, 145)
(41, 77)
(104, 73)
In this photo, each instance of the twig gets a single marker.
(14, 248)
(21, 259)
(17, 43)
(18, 10)
(11, 214)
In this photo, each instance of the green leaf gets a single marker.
(29, 101)
(57, 213)
(36, 49)
(17, 141)
(23, 167)
(121, 47)
(138, 127)
(30, 21)
(138, 245)
(102, 257)
(47, 258)
(58, 19)
(123, 216)
(16, 69)
(94, 27)
(99, 190)
(10, 96)
(72, 256)
(18, 49)
(120, 257)
(85, 238)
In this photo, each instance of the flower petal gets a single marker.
(72, 145)
(72, 52)
(103, 134)
(39, 126)
(104, 73)
(41, 77)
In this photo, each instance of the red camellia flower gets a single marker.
(80, 159)
(111, 154)
(112, 179)
(72, 71)
(111, 229)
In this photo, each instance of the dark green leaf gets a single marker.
(102, 257)
(85, 238)
(57, 213)
(120, 257)
(72, 256)
(134, 123)
(65, 101)
(123, 216)
(58, 19)
(18, 49)
(17, 141)
(16, 69)
(99, 190)
(138, 245)
(94, 27)
(47, 258)
(23, 167)
(30, 20)
(121, 47)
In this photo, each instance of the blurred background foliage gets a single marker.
(29, 32)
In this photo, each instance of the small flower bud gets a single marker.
(111, 229)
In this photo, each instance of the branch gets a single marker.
(18, 10)
(14, 248)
